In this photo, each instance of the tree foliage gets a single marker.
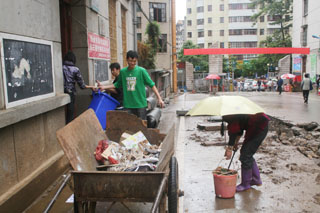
(148, 50)
(146, 58)
(196, 60)
(281, 11)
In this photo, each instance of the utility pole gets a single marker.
(174, 50)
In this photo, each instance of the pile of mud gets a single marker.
(304, 136)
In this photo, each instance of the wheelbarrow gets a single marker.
(79, 139)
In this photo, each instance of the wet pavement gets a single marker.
(289, 178)
(285, 188)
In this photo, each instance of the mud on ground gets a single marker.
(289, 161)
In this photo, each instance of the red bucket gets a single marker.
(225, 185)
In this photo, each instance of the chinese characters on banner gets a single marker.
(98, 47)
(297, 62)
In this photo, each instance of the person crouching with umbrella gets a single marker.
(256, 127)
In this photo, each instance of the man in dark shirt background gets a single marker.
(115, 92)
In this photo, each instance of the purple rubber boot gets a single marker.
(246, 178)
(256, 180)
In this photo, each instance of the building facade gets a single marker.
(33, 42)
(180, 34)
(159, 11)
(226, 22)
(306, 33)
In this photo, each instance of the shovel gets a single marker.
(234, 152)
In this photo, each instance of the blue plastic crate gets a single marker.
(101, 103)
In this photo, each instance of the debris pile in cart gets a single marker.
(132, 153)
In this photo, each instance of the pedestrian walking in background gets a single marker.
(279, 85)
(259, 85)
(132, 81)
(256, 129)
(306, 86)
(71, 76)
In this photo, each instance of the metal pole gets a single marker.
(57, 194)
(174, 51)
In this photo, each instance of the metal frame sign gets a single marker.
(98, 47)
(27, 69)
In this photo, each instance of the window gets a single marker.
(270, 31)
(239, 19)
(189, 34)
(221, 19)
(241, 6)
(163, 43)
(305, 7)
(200, 33)
(189, 22)
(274, 17)
(209, 20)
(201, 45)
(157, 12)
(200, 21)
(210, 33)
(138, 22)
(139, 36)
(304, 34)
(221, 44)
(189, 10)
(261, 31)
(209, 8)
(221, 7)
(235, 32)
(137, 7)
(209, 45)
(249, 44)
(221, 32)
(261, 18)
(200, 9)
(249, 32)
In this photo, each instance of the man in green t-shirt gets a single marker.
(132, 80)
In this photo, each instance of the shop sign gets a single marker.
(98, 47)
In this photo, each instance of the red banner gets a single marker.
(98, 46)
(241, 51)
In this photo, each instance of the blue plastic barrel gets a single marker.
(101, 103)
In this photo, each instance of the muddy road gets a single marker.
(288, 160)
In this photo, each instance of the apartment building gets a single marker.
(180, 34)
(159, 11)
(226, 24)
(33, 41)
(306, 33)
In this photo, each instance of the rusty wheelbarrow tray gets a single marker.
(79, 139)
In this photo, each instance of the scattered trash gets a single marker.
(224, 171)
(132, 153)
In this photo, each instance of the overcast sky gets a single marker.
(180, 9)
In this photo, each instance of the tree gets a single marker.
(280, 12)
(196, 60)
(148, 50)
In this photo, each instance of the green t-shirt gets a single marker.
(133, 84)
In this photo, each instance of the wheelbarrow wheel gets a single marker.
(173, 186)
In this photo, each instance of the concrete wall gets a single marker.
(98, 23)
(189, 76)
(284, 65)
(28, 145)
